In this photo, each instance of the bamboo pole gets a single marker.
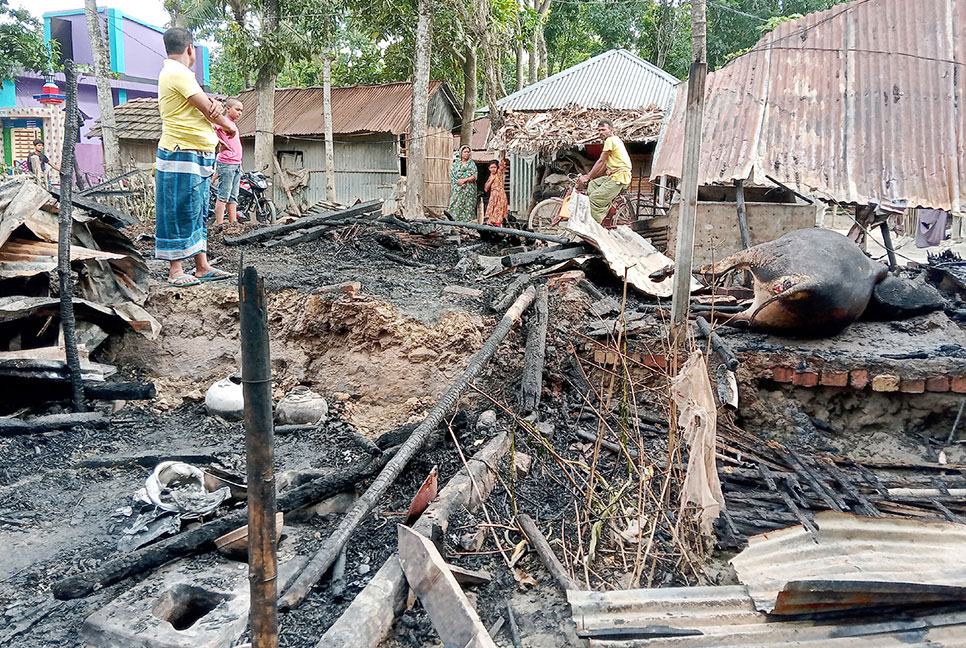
(65, 223)
(326, 555)
(689, 182)
(260, 452)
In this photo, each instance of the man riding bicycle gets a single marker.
(610, 175)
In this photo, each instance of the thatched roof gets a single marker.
(553, 130)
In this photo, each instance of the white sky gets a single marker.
(150, 11)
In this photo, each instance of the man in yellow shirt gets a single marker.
(609, 175)
(185, 163)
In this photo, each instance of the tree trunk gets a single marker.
(105, 99)
(539, 67)
(470, 95)
(265, 99)
(519, 56)
(542, 54)
(327, 117)
(416, 162)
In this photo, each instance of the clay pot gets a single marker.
(301, 406)
(225, 399)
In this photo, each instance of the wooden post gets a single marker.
(684, 251)
(742, 214)
(260, 451)
(65, 228)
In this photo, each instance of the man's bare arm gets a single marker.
(211, 109)
(597, 170)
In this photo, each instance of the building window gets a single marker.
(60, 31)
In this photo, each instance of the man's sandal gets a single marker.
(182, 281)
(213, 275)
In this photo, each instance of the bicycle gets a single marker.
(548, 214)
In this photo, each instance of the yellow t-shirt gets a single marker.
(618, 162)
(181, 123)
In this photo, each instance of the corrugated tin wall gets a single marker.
(366, 168)
(523, 177)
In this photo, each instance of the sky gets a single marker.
(150, 11)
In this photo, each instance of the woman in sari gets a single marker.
(496, 209)
(462, 178)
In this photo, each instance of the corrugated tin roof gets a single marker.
(716, 617)
(136, 119)
(849, 549)
(23, 258)
(385, 108)
(861, 103)
(614, 79)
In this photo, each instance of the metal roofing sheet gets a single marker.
(21, 258)
(614, 79)
(385, 108)
(851, 548)
(861, 103)
(715, 617)
(136, 119)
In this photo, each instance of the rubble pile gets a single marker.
(491, 421)
(111, 285)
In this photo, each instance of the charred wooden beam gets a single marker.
(52, 423)
(265, 233)
(552, 254)
(531, 387)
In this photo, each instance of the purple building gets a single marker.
(136, 50)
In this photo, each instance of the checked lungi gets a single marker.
(181, 181)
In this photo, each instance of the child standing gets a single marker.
(496, 208)
(228, 166)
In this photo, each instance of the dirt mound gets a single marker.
(386, 366)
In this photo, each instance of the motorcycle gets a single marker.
(253, 203)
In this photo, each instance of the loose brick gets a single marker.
(912, 385)
(885, 383)
(805, 379)
(859, 378)
(782, 374)
(958, 385)
(835, 378)
(937, 384)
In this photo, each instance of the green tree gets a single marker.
(22, 44)
(734, 26)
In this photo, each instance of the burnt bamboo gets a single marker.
(260, 453)
(323, 559)
(308, 220)
(504, 299)
(65, 223)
